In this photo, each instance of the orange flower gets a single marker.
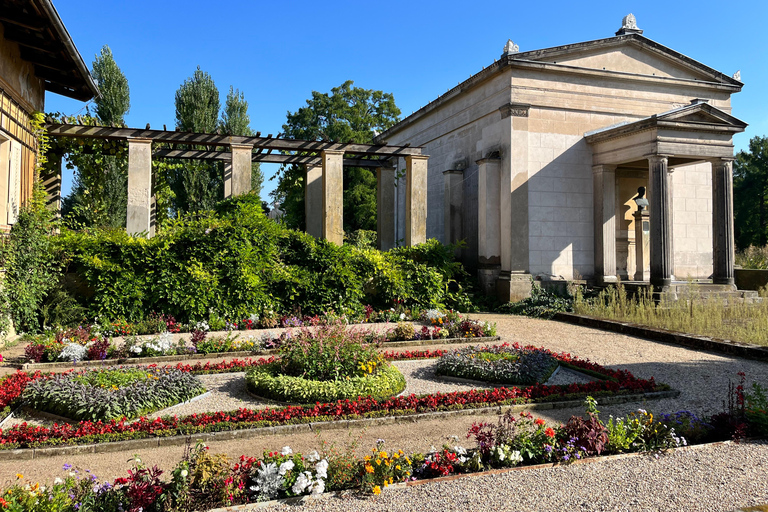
(549, 432)
(539, 421)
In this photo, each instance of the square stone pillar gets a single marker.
(333, 196)
(659, 195)
(52, 183)
(453, 206)
(415, 199)
(313, 200)
(722, 222)
(385, 208)
(604, 204)
(237, 174)
(139, 218)
(489, 223)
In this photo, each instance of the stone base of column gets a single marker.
(487, 275)
(513, 287)
(660, 285)
(729, 281)
(604, 280)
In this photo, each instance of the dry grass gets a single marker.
(742, 322)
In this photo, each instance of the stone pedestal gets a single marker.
(604, 198)
(385, 208)
(453, 205)
(333, 196)
(659, 195)
(642, 245)
(415, 199)
(489, 223)
(513, 287)
(139, 187)
(313, 200)
(722, 223)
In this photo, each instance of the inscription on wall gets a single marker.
(514, 110)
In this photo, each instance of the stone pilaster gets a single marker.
(333, 196)
(604, 200)
(241, 170)
(722, 222)
(659, 195)
(139, 187)
(641, 246)
(313, 200)
(453, 206)
(489, 223)
(415, 199)
(385, 208)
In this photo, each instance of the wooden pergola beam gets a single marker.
(226, 156)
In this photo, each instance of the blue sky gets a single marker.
(277, 53)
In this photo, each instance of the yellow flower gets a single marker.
(376, 489)
(378, 461)
(397, 467)
(386, 484)
(19, 476)
(367, 458)
(383, 455)
(368, 468)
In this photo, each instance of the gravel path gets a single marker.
(711, 478)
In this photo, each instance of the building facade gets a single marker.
(535, 162)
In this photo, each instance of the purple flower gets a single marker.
(67, 467)
(566, 457)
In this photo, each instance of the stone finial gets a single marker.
(510, 48)
(629, 25)
(737, 75)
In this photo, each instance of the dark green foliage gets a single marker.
(750, 194)
(237, 262)
(541, 304)
(521, 366)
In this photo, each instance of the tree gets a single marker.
(750, 194)
(197, 185)
(347, 114)
(99, 194)
(236, 121)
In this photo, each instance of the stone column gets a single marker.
(139, 187)
(489, 223)
(604, 201)
(313, 200)
(333, 196)
(722, 222)
(641, 246)
(241, 170)
(415, 199)
(453, 206)
(227, 179)
(385, 208)
(661, 222)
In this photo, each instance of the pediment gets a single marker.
(629, 54)
(701, 114)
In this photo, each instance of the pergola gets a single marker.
(324, 162)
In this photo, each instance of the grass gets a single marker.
(747, 323)
(753, 258)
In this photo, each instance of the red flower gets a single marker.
(549, 432)
(539, 421)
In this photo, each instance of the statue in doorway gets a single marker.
(640, 200)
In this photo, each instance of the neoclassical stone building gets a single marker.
(535, 162)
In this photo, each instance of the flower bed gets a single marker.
(111, 393)
(500, 364)
(23, 436)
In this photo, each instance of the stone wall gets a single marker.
(692, 220)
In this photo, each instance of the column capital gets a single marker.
(241, 146)
(453, 171)
(603, 168)
(416, 157)
(138, 140)
(722, 160)
(657, 157)
(332, 152)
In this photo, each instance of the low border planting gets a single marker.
(499, 364)
(616, 382)
(265, 381)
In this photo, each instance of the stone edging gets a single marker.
(689, 340)
(241, 353)
(155, 442)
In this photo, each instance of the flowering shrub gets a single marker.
(501, 363)
(523, 434)
(381, 469)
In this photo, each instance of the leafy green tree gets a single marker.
(99, 194)
(236, 121)
(197, 185)
(750, 194)
(347, 114)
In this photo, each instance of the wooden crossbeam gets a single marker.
(206, 139)
(226, 156)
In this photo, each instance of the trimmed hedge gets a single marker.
(532, 366)
(265, 381)
(235, 262)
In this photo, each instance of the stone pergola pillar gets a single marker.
(415, 199)
(52, 183)
(453, 206)
(139, 218)
(604, 198)
(722, 222)
(237, 173)
(313, 200)
(659, 195)
(489, 223)
(385, 208)
(333, 196)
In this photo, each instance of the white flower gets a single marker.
(460, 450)
(302, 482)
(57, 481)
(314, 456)
(402, 316)
(184, 473)
(286, 450)
(285, 467)
(501, 453)
(642, 411)
(73, 352)
(321, 468)
(136, 349)
(516, 457)
(319, 487)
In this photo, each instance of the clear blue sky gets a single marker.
(277, 53)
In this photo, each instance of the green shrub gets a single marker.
(266, 381)
(541, 304)
(502, 364)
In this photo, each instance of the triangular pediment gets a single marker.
(701, 113)
(633, 54)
